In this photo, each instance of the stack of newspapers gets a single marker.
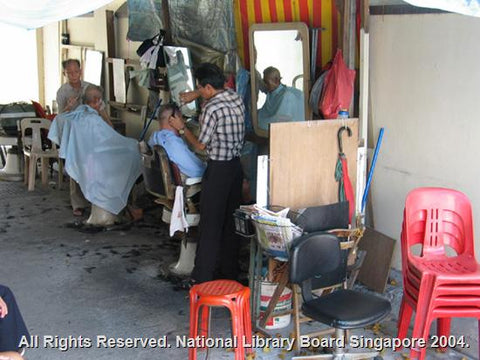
(275, 231)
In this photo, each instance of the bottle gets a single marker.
(342, 114)
(54, 107)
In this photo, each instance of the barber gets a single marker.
(222, 131)
(69, 97)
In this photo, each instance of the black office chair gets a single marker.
(311, 257)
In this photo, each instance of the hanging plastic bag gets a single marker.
(338, 88)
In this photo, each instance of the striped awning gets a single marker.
(315, 13)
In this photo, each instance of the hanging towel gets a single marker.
(178, 221)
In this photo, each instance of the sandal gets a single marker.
(78, 212)
(185, 284)
(135, 214)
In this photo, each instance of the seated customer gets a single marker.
(13, 332)
(104, 163)
(176, 148)
(283, 103)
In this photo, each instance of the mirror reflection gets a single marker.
(180, 76)
(279, 68)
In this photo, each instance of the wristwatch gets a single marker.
(181, 131)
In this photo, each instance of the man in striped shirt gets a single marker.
(222, 132)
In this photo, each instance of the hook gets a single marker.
(339, 137)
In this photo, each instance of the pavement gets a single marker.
(105, 294)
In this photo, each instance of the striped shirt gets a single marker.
(223, 126)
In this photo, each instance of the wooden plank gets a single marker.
(303, 156)
(110, 21)
(376, 265)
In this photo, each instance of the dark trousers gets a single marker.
(12, 327)
(218, 246)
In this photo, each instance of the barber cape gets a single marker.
(282, 105)
(104, 163)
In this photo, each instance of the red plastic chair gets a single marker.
(226, 293)
(437, 283)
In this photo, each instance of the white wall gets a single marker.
(425, 91)
(18, 64)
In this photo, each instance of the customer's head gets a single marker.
(167, 111)
(93, 96)
(210, 80)
(72, 70)
(271, 77)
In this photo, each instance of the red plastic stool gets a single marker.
(226, 293)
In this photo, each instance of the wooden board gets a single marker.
(303, 156)
(376, 266)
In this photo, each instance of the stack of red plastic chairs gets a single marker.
(441, 276)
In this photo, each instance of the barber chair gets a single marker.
(101, 217)
(161, 178)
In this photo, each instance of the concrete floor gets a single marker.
(72, 285)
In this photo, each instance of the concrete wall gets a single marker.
(425, 91)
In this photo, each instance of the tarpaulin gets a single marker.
(202, 22)
(465, 7)
(31, 14)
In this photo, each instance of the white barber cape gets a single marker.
(104, 163)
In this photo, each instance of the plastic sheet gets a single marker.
(465, 7)
(31, 14)
(202, 22)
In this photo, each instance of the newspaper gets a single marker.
(275, 231)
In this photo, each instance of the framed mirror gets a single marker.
(280, 75)
(180, 76)
(92, 70)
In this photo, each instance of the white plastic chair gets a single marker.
(33, 150)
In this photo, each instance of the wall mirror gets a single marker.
(283, 46)
(180, 76)
(92, 69)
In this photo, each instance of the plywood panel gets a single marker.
(376, 266)
(303, 156)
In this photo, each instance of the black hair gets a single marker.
(67, 62)
(207, 73)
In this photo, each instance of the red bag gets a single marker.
(338, 88)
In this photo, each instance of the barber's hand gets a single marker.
(176, 122)
(72, 102)
(189, 96)
(3, 309)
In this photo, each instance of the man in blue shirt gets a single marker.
(176, 148)
(283, 103)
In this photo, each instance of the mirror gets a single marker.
(180, 76)
(92, 70)
(284, 96)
